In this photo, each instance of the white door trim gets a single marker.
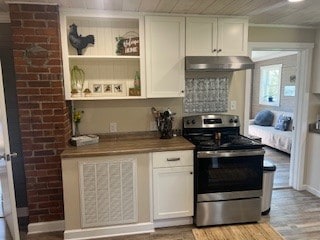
(9, 201)
(302, 100)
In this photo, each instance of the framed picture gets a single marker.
(96, 88)
(108, 88)
(289, 91)
(118, 88)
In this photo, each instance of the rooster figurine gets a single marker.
(77, 41)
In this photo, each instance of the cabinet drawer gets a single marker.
(172, 159)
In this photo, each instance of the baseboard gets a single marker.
(110, 231)
(303, 187)
(313, 191)
(42, 227)
(173, 222)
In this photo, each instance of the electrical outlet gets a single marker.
(113, 127)
(233, 105)
(153, 126)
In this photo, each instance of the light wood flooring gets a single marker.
(294, 214)
(282, 162)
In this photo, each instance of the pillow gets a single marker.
(264, 118)
(283, 123)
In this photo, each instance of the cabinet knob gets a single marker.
(214, 50)
(182, 91)
(219, 50)
(191, 173)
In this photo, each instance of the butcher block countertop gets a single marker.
(128, 144)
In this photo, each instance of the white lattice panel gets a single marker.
(108, 192)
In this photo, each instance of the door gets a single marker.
(165, 53)
(232, 171)
(201, 36)
(232, 37)
(173, 192)
(6, 178)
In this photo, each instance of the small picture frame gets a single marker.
(118, 88)
(96, 88)
(107, 88)
(289, 91)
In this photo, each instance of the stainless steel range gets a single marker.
(228, 170)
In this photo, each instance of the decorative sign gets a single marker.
(131, 46)
(128, 44)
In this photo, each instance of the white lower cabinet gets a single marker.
(172, 184)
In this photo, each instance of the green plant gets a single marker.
(77, 78)
(76, 117)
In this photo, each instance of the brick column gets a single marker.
(43, 112)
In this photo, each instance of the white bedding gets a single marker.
(272, 137)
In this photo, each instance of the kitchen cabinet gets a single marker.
(165, 53)
(106, 195)
(209, 36)
(109, 68)
(172, 184)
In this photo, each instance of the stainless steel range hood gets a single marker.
(218, 63)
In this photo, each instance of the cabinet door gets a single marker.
(173, 192)
(201, 36)
(165, 52)
(232, 37)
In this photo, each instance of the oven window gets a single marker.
(226, 174)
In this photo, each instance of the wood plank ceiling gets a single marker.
(282, 12)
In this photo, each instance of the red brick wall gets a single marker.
(43, 112)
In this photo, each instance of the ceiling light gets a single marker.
(295, 0)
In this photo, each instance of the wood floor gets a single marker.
(294, 214)
(282, 162)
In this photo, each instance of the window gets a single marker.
(270, 82)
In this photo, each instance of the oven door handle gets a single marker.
(230, 153)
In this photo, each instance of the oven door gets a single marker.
(229, 174)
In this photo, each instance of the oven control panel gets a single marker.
(211, 121)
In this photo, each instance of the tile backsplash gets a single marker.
(205, 95)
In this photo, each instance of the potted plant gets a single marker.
(76, 119)
(77, 80)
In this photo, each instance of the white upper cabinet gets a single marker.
(110, 69)
(165, 53)
(207, 36)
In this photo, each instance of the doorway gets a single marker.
(273, 89)
(304, 59)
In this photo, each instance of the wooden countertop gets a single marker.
(109, 147)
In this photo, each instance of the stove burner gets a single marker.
(239, 140)
(222, 136)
